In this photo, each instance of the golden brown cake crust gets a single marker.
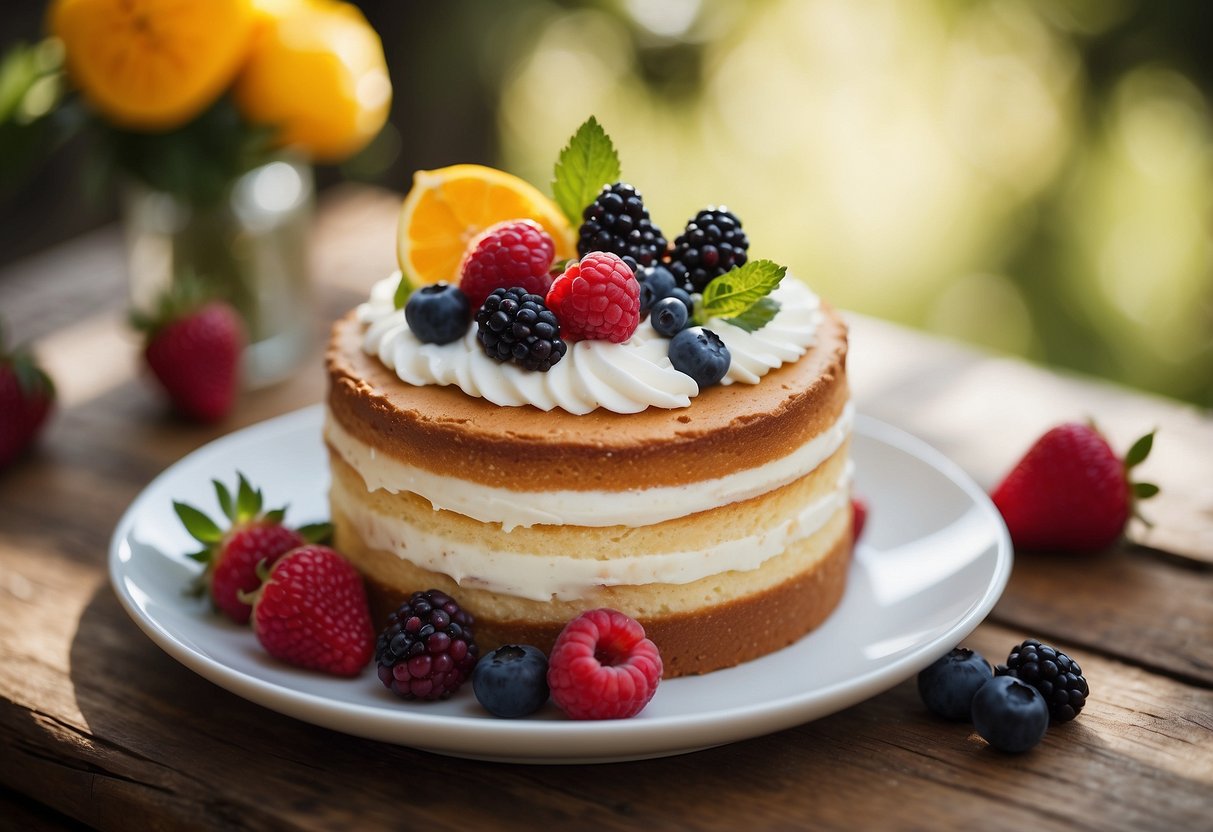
(696, 642)
(726, 429)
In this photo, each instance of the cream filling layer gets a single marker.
(544, 578)
(634, 507)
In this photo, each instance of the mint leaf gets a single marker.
(757, 316)
(585, 165)
(403, 290)
(735, 293)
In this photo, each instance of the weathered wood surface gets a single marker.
(97, 724)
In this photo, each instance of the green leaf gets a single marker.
(248, 501)
(733, 293)
(403, 291)
(203, 556)
(200, 527)
(588, 162)
(317, 532)
(225, 500)
(1140, 450)
(757, 316)
(276, 516)
(1144, 490)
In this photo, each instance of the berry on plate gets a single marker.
(711, 244)
(700, 354)
(1009, 714)
(512, 681)
(859, 517)
(428, 648)
(617, 222)
(311, 612)
(231, 557)
(596, 299)
(947, 687)
(516, 326)
(26, 398)
(1071, 492)
(193, 348)
(1058, 677)
(437, 313)
(603, 667)
(512, 253)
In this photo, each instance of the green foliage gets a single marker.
(196, 162)
(588, 162)
(740, 295)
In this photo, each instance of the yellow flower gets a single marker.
(152, 65)
(316, 72)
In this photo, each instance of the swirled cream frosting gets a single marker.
(623, 378)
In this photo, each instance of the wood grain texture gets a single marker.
(97, 724)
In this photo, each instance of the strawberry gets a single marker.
(1071, 492)
(859, 518)
(193, 348)
(311, 612)
(232, 556)
(26, 398)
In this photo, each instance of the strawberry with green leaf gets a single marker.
(231, 555)
(26, 398)
(1071, 492)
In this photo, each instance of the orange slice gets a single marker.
(446, 208)
(152, 64)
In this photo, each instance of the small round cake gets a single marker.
(718, 518)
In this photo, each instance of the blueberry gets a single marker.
(656, 282)
(512, 681)
(1009, 714)
(669, 317)
(684, 296)
(947, 687)
(700, 354)
(438, 314)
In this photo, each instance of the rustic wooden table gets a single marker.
(97, 725)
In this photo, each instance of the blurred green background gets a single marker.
(1032, 176)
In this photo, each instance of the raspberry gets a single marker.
(427, 649)
(511, 253)
(617, 221)
(602, 667)
(712, 244)
(1054, 674)
(597, 299)
(515, 326)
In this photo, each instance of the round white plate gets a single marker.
(932, 562)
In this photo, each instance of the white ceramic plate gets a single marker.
(934, 559)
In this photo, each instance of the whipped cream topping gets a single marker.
(623, 378)
(635, 507)
(543, 578)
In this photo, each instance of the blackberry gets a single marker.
(618, 222)
(516, 326)
(427, 649)
(1058, 677)
(710, 245)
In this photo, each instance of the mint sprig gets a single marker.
(588, 162)
(740, 296)
(403, 290)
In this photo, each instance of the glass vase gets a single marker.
(249, 247)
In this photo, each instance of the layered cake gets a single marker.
(606, 472)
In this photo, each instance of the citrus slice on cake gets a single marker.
(152, 64)
(448, 207)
